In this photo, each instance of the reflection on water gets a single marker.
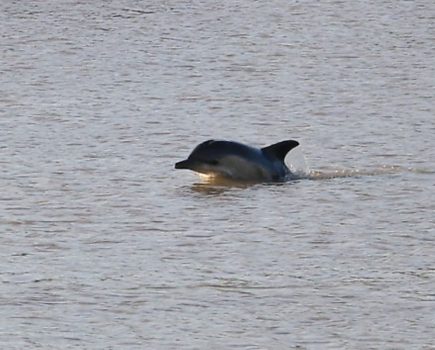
(105, 246)
(217, 185)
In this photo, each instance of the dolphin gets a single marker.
(219, 159)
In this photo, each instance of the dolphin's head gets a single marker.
(208, 158)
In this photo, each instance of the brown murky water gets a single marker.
(105, 246)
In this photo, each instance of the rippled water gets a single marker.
(105, 246)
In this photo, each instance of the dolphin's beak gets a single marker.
(184, 164)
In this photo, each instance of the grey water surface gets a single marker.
(104, 245)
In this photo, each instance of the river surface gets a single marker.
(104, 245)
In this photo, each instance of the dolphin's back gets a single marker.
(222, 148)
(249, 163)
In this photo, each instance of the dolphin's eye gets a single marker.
(213, 162)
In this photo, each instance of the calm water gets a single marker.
(105, 246)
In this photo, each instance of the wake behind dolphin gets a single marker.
(229, 160)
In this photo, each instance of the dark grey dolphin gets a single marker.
(236, 161)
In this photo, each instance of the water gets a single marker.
(105, 246)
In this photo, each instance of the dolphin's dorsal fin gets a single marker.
(279, 150)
